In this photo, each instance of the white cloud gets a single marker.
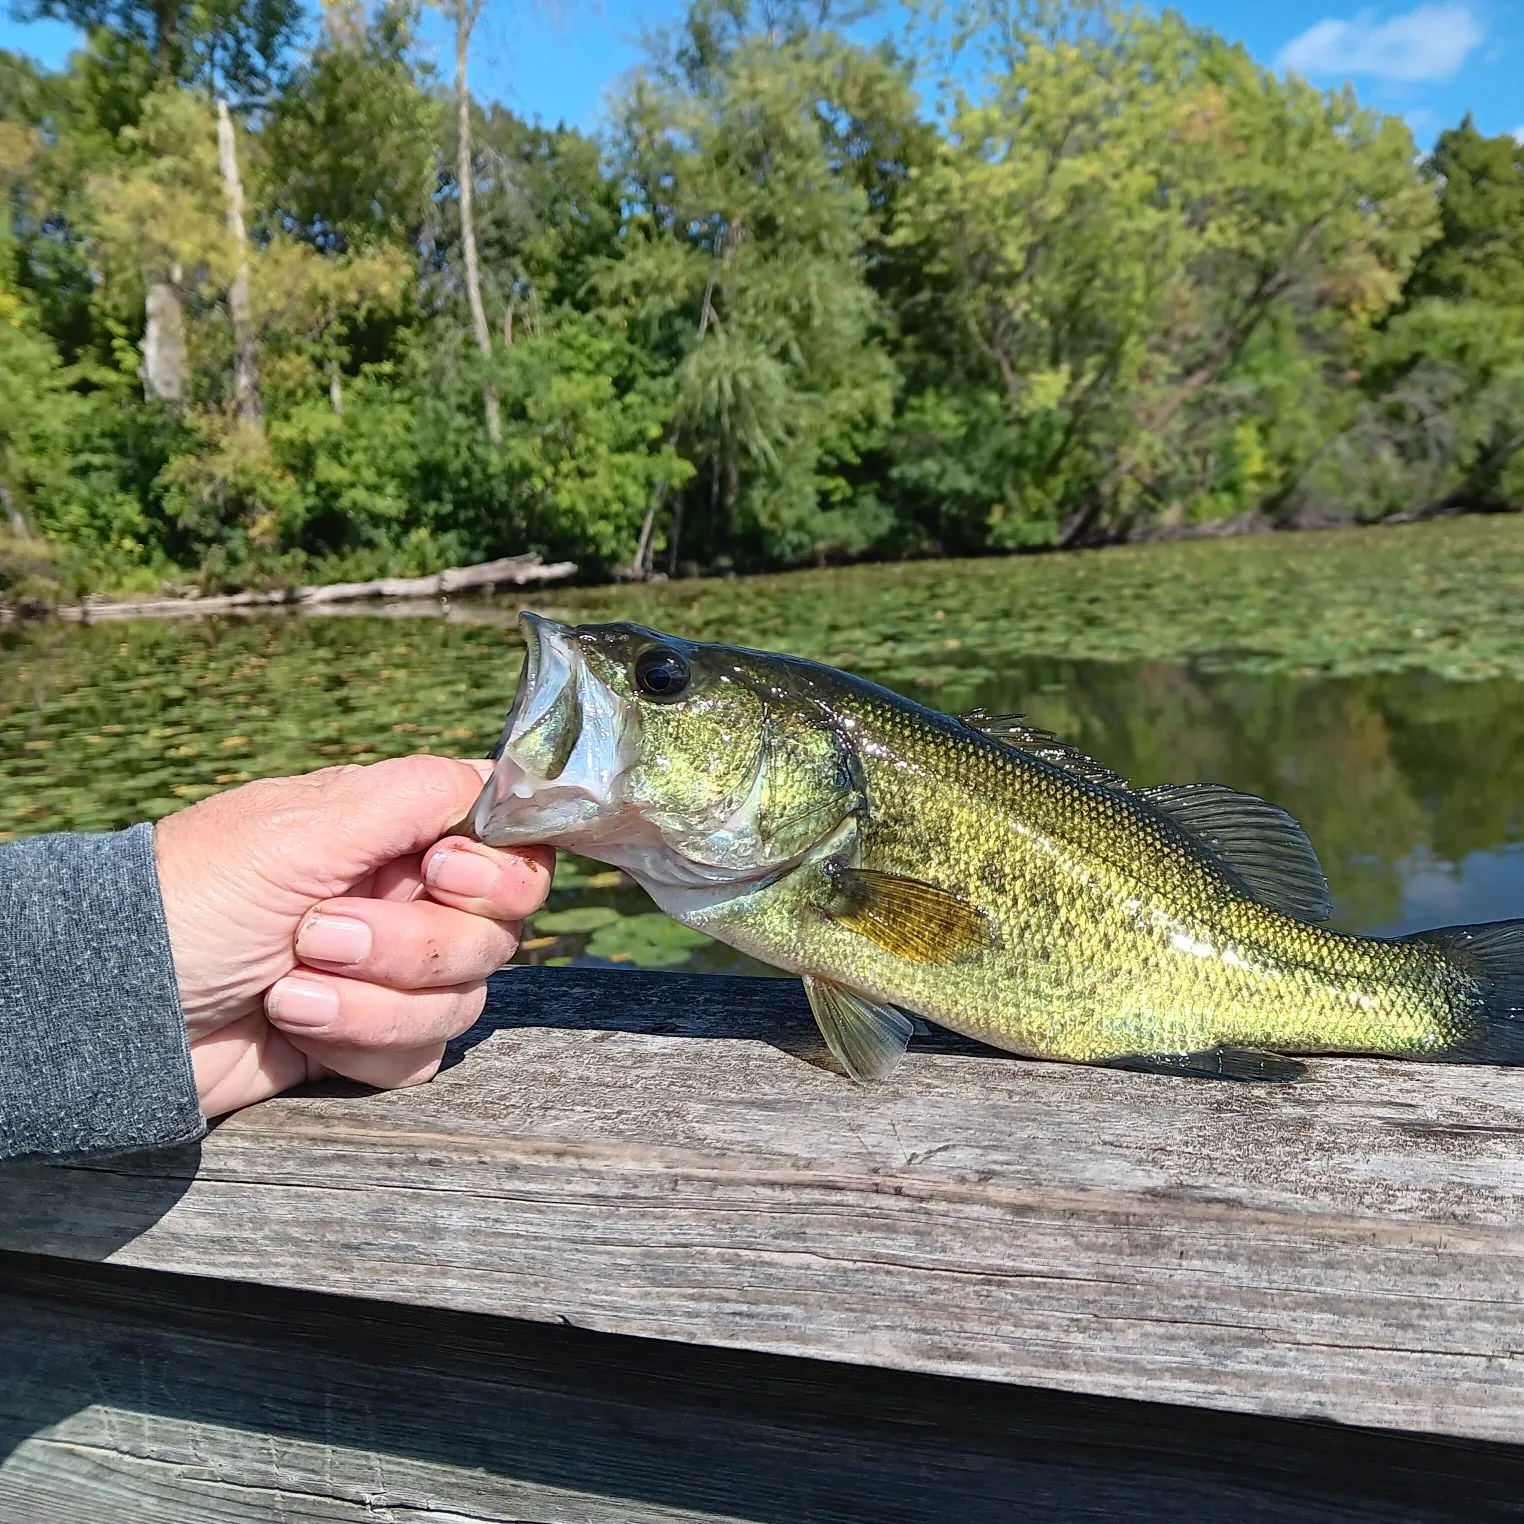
(1431, 42)
(1518, 134)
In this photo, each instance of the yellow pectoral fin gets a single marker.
(906, 917)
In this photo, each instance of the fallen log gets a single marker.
(513, 571)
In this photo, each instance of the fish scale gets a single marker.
(977, 872)
(1114, 933)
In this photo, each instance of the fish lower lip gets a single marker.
(548, 671)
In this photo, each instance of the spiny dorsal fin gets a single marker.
(906, 916)
(867, 1039)
(1258, 842)
(1260, 845)
(1017, 731)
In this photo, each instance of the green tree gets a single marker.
(1128, 219)
(238, 43)
(1441, 428)
(348, 144)
(36, 406)
(744, 271)
(1479, 254)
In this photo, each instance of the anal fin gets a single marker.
(868, 1039)
(1251, 1065)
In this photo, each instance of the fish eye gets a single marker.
(662, 673)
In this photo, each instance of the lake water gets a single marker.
(1410, 784)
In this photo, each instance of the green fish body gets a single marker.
(975, 872)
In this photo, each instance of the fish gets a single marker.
(975, 871)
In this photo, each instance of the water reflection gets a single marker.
(1410, 786)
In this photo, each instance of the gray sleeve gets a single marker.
(93, 1050)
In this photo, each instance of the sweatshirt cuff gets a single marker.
(94, 1055)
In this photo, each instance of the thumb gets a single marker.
(238, 870)
(343, 823)
(313, 837)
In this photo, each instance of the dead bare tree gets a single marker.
(463, 15)
(245, 354)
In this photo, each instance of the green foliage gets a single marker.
(1109, 279)
(1443, 426)
(1479, 255)
(744, 273)
(1138, 228)
(238, 43)
(28, 573)
(349, 146)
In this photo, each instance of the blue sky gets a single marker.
(1430, 62)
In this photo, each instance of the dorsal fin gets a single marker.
(1258, 842)
(1263, 848)
(1018, 731)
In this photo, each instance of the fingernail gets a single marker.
(462, 873)
(333, 939)
(302, 1004)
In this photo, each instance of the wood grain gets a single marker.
(664, 1156)
(136, 1397)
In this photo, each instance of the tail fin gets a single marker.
(1493, 955)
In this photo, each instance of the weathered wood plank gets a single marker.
(138, 1398)
(660, 1155)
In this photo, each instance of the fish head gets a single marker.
(689, 765)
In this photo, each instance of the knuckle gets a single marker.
(426, 775)
(470, 1010)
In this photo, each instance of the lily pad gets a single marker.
(580, 918)
(648, 941)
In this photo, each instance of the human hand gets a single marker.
(320, 926)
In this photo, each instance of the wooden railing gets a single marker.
(639, 1254)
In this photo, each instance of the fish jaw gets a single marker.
(565, 748)
(569, 772)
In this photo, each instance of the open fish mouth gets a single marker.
(566, 742)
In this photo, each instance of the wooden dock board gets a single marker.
(666, 1157)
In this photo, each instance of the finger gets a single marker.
(331, 829)
(506, 884)
(394, 808)
(311, 1006)
(401, 881)
(386, 1068)
(245, 1062)
(406, 947)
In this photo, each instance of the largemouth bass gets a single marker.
(974, 871)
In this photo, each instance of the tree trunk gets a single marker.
(640, 564)
(166, 19)
(245, 357)
(644, 562)
(163, 367)
(677, 535)
(13, 515)
(465, 18)
(336, 391)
